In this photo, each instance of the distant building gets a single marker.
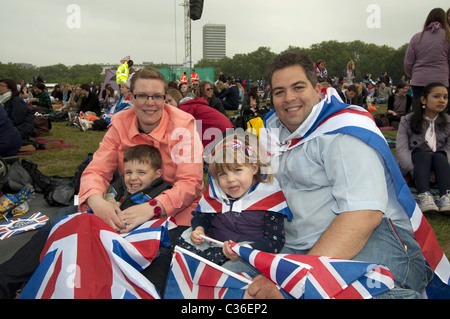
(214, 41)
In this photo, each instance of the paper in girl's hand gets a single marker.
(212, 241)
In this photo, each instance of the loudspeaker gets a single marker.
(196, 8)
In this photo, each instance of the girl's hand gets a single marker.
(195, 235)
(228, 252)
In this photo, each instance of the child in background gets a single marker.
(141, 181)
(240, 204)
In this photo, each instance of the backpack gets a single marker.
(42, 126)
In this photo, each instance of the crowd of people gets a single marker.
(325, 207)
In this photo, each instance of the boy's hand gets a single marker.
(195, 235)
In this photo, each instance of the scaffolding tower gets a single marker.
(187, 34)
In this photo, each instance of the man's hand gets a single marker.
(262, 288)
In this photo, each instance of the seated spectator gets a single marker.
(11, 141)
(362, 95)
(184, 89)
(383, 93)
(41, 99)
(251, 98)
(321, 71)
(25, 94)
(173, 97)
(423, 148)
(205, 90)
(230, 97)
(349, 95)
(370, 90)
(219, 87)
(241, 92)
(16, 109)
(73, 105)
(66, 90)
(398, 104)
(89, 101)
(57, 93)
(211, 120)
(109, 99)
(105, 121)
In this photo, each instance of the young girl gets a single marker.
(240, 204)
(423, 147)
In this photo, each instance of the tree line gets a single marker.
(369, 58)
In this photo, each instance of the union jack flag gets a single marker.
(193, 277)
(314, 277)
(332, 116)
(20, 225)
(125, 59)
(85, 259)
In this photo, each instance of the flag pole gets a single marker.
(215, 266)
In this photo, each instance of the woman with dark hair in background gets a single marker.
(206, 90)
(423, 147)
(18, 112)
(427, 57)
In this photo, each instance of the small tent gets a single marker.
(110, 78)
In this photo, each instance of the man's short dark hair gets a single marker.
(352, 88)
(292, 58)
(85, 87)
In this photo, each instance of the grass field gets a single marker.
(63, 162)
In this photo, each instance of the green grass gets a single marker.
(64, 162)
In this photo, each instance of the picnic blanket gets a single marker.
(53, 143)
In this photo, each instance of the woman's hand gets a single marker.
(138, 214)
(107, 211)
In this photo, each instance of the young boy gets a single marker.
(142, 177)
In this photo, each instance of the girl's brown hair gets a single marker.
(237, 150)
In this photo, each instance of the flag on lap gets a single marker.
(314, 277)
(193, 277)
(84, 258)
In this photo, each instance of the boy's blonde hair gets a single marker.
(237, 150)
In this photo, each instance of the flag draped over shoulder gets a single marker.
(85, 259)
(332, 116)
(261, 196)
(19, 225)
(193, 277)
(314, 277)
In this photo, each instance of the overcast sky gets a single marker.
(46, 32)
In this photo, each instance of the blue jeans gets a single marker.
(386, 246)
(380, 100)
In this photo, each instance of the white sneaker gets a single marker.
(81, 124)
(84, 124)
(444, 203)
(426, 202)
